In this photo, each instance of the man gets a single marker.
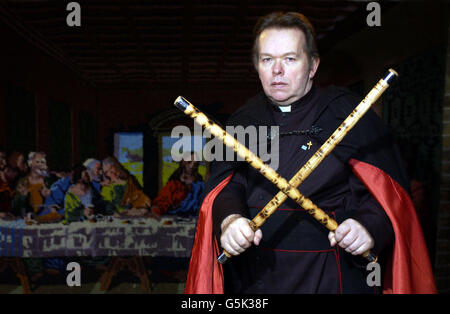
(55, 201)
(6, 192)
(29, 197)
(122, 192)
(293, 253)
(18, 167)
(32, 190)
(95, 172)
(181, 194)
(81, 199)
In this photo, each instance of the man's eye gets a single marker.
(265, 60)
(290, 59)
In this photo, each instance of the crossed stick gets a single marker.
(290, 188)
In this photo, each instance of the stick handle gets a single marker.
(370, 257)
(224, 256)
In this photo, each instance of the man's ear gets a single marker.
(314, 64)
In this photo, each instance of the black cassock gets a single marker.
(294, 255)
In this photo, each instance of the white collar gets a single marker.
(285, 108)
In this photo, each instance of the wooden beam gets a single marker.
(95, 42)
(141, 53)
(37, 40)
(239, 16)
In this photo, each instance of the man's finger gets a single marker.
(227, 247)
(258, 237)
(348, 240)
(241, 240)
(342, 231)
(233, 242)
(361, 249)
(332, 238)
(247, 232)
(354, 246)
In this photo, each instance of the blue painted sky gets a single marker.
(129, 140)
(188, 143)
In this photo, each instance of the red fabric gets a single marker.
(6, 195)
(170, 196)
(205, 274)
(409, 269)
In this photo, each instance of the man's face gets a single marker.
(2, 161)
(39, 164)
(21, 164)
(85, 178)
(97, 172)
(109, 172)
(190, 165)
(283, 66)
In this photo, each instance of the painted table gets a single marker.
(127, 240)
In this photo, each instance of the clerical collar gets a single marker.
(285, 108)
(298, 103)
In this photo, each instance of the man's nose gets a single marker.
(277, 68)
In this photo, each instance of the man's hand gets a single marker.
(352, 236)
(155, 213)
(88, 212)
(137, 212)
(54, 208)
(22, 189)
(237, 235)
(45, 191)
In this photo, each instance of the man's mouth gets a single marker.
(279, 84)
(42, 172)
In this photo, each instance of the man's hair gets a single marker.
(13, 157)
(283, 20)
(90, 163)
(187, 156)
(114, 163)
(32, 154)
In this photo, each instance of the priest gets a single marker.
(361, 184)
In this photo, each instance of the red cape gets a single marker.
(205, 274)
(409, 269)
